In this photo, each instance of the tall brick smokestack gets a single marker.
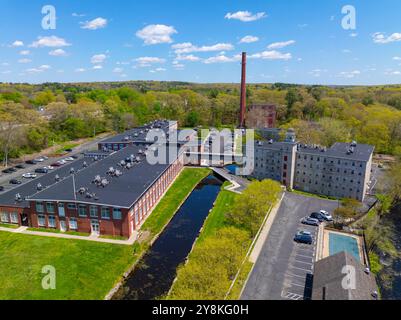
(243, 92)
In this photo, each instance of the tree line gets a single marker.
(33, 117)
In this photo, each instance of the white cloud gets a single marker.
(156, 33)
(317, 72)
(97, 67)
(94, 24)
(118, 70)
(39, 69)
(5, 64)
(17, 43)
(189, 57)
(381, 38)
(6, 72)
(249, 39)
(79, 15)
(188, 47)
(222, 59)
(25, 60)
(353, 35)
(271, 55)
(245, 16)
(24, 52)
(397, 58)
(52, 42)
(148, 61)
(350, 74)
(80, 70)
(58, 53)
(346, 51)
(98, 58)
(279, 45)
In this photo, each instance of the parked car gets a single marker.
(68, 150)
(1, 188)
(49, 168)
(7, 171)
(74, 157)
(69, 159)
(45, 158)
(20, 166)
(39, 160)
(326, 215)
(310, 221)
(42, 170)
(13, 169)
(15, 181)
(29, 175)
(304, 237)
(318, 216)
(30, 162)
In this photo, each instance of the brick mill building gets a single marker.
(108, 192)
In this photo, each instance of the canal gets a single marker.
(156, 271)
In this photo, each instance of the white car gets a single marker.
(69, 159)
(29, 176)
(62, 162)
(39, 160)
(49, 168)
(326, 215)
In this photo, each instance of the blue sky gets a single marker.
(200, 41)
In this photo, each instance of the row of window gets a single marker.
(82, 210)
(6, 217)
(325, 160)
(51, 222)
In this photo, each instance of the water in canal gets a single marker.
(156, 271)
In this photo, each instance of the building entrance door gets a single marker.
(24, 220)
(63, 226)
(95, 227)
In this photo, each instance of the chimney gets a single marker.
(243, 92)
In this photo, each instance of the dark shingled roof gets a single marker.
(122, 191)
(361, 152)
(328, 278)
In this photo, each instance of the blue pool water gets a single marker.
(339, 243)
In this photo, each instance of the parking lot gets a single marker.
(284, 268)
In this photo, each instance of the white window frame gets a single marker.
(5, 218)
(51, 221)
(73, 224)
(43, 218)
(14, 217)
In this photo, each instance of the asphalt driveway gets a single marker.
(284, 268)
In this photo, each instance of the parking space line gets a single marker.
(303, 256)
(307, 270)
(297, 276)
(308, 263)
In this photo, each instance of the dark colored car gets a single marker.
(318, 216)
(41, 170)
(20, 166)
(1, 188)
(30, 162)
(7, 171)
(303, 237)
(68, 150)
(13, 169)
(15, 181)
(56, 164)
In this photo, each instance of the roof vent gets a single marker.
(104, 183)
(18, 197)
(57, 178)
(129, 165)
(72, 171)
(354, 144)
(122, 163)
(82, 191)
(111, 171)
(39, 187)
(85, 165)
(97, 180)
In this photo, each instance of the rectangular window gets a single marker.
(93, 212)
(5, 218)
(117, 214)
(14, 218)
(41, 220)
(72, 206)
(106, 213)
(52, 221)
(73, 224)
(50, 207)
(82, 210)
(40, 207)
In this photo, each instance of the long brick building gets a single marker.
(108, 192)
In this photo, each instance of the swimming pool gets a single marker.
(339, 243)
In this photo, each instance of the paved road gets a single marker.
(5, 178)
(283, 268)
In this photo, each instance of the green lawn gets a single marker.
(9, 226)
(84, 270)
(216, 219)
(173, 199)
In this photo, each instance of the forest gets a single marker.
(34, 117)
